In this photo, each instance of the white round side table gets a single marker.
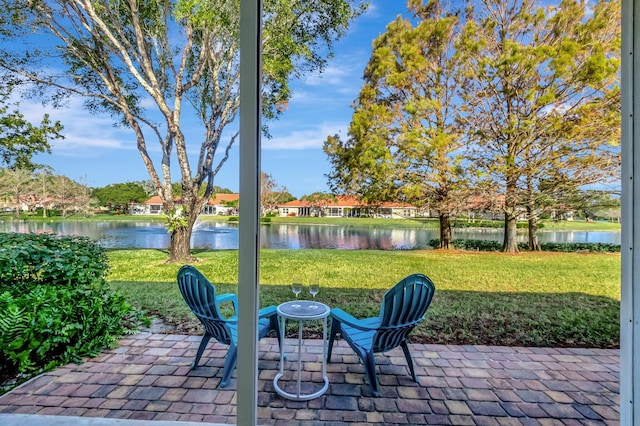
(301, 311)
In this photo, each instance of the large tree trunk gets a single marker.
(510, 244)
(534, 244)
(180, 246)
(532, 216)
(446, 242)
(181, 228)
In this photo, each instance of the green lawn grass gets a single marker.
(580, 225)
(528, 299)
(103, 217)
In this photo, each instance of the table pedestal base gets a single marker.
(299, 397)
(284, 313)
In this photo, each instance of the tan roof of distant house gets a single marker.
(217, 200)
(154, 200)
(343, 201)
(482, 202)
(339, 201)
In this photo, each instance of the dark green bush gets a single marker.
(490, 245)
(27, 260)
(57, 305)
(475, 245)
(490, 224)
(262, 219)
(50, 213)
(573, 247)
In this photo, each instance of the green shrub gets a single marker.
(27, 260)
(472, 245)
(575, 247)
(262, 219)
(490, 245)
(490, 224)
(50, 213)
(57, 304)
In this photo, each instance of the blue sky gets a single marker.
(98, 154)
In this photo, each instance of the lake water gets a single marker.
(221, 236)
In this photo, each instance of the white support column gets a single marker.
(630, 286)
(249, 227)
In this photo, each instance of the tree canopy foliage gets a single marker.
(541, 98)
(271, 194)
(20, 139)
(118, 196)
(157, 66)
(404, 141)
(29, 190)
(514, 100)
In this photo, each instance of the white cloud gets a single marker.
(373, 11)
(78, 145)
(341, 71)
(334, 74)
(148, 103)
(326, 99)
(341, 79)
(304, 96)
(310, 138)
(82, 130)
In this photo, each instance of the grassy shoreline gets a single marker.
(527, 299)
(548, 225)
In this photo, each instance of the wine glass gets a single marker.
(296, 288)
(314, 288)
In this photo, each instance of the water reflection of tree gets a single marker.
(344, 238)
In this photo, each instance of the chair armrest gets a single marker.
(267, 312)
(341, 316)
(226, 298)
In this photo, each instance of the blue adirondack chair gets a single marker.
(403, 307)
(201, 298)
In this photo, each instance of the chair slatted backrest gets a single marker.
(403, 307)
(200, 296)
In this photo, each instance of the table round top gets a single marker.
(303, 310)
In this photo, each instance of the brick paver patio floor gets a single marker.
(148, 377)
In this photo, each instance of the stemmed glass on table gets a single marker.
(296, 288)
(314, 288)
